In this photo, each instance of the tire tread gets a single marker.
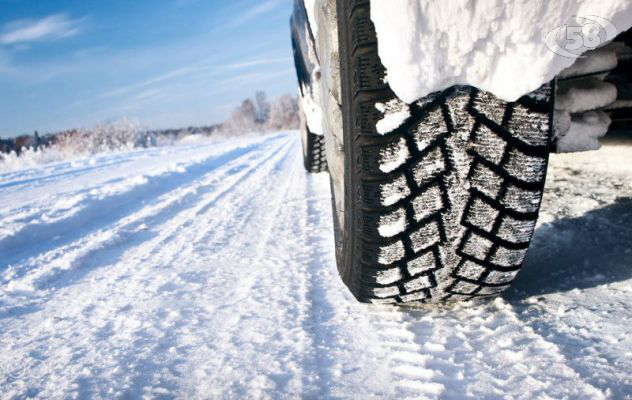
(447, 254)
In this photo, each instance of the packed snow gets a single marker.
(495, 45)
(207, 271)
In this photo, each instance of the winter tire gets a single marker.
(314, 158)
(442, 207)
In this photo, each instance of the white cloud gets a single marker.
(264, 7)
(176, 92)
(193, 72)
(260, 61)
(176, 73)
(55, 26)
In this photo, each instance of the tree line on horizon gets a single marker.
(257, 115)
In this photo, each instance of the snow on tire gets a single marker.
(442, 207)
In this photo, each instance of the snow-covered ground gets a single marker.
(207, 271)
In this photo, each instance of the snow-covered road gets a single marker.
(207, 271)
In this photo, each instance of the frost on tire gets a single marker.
(443, 206)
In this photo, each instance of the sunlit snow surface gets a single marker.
(207, 271)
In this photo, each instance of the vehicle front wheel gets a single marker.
(441, 196)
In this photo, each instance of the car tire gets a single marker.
(442, 207)
(314, 157)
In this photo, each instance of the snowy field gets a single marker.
(207, 271)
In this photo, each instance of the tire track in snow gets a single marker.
(182, 249)
(330, 315)
(475, 350)
(40, 237)
(322, 313)
(119, 231)
(258, 284)
(49, 204)
(203, 195)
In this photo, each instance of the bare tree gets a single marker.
(284, 113)
(263, 107)
(243, 119)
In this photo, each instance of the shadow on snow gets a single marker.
(578, 253)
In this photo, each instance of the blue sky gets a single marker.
(170, 63)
